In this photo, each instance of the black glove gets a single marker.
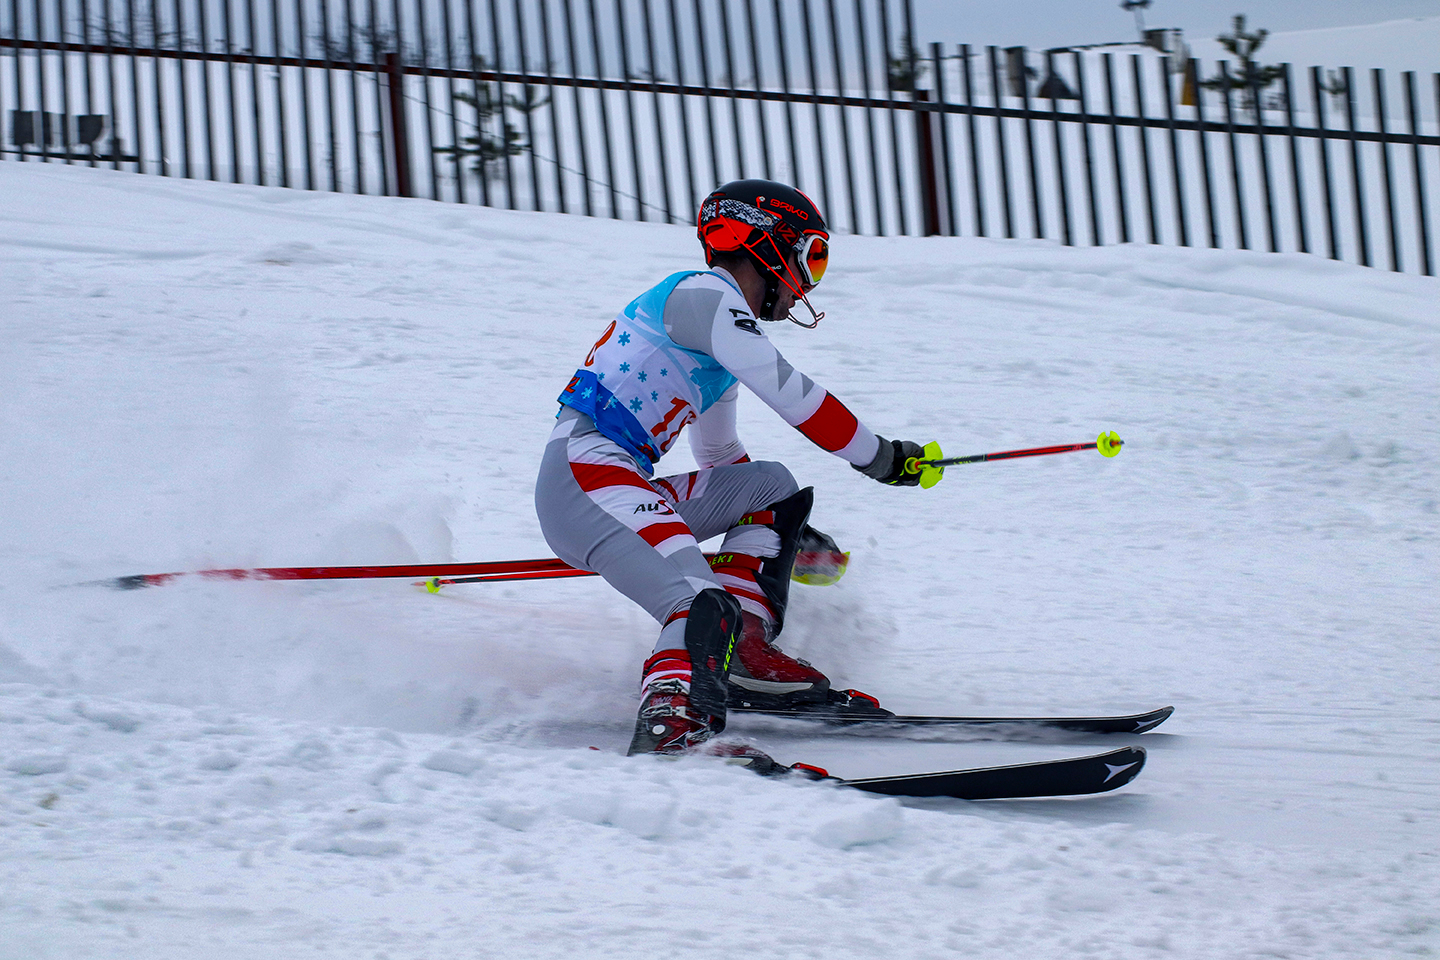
(889, 464)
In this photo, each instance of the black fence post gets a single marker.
(815, 105)
(89, 69)
(535, 204)
(730, 84)
(478, 84)
(524, 91)
(1176, 168)
(20, 83)
(870, 107)
(304, 76)
(1037, 206)
(1084, 107)
(605, 137)
(759, 100)
(65, 83)
(1296, 173)
(1202, 141)
(1117, 154)
(661, 142)
(431, 162)
(42, 120)
(138, 116)
(844, 117)
(555, 137)
(330, 139)
(206, 93)
(1323, 145)
(629, 88)
(180, 65)
(703, 52)
(457, 166)
(894, 131)
(1357, 177)
(1063, 196)
(1258, 103)
(353, 55)
(282, 127)
(113, 83)
(1423, 224)
(1377, 80)
(995, 96)
(1236, 177)
(691, 200)
(943, 117)
(579, 118)
(977, 184)
(1143, 130)
(498, 105)
(783, 60)
(380, 104)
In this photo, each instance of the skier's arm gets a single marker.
(719, 323)
(714, 439)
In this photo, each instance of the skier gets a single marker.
(675, 357)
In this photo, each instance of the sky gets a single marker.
(1052, 23)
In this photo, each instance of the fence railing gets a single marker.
(634, 109)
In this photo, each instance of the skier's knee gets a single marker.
(778, 482)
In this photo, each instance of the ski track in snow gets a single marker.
(209, 375)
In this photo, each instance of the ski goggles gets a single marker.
(813, 255)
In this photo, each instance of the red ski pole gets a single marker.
(503, 569)
(932, 467)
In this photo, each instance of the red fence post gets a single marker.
(399, 142)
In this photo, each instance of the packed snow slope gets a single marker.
(201, 375)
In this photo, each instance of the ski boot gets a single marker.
(764, 677)
(684, 690)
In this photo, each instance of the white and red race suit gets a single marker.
(675, 355)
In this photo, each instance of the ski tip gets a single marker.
(1152, 720)
(1122, 766)
(136, 581)
(1070, 777)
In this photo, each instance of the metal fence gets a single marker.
(634, 109)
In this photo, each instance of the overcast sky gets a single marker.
(1054, 23)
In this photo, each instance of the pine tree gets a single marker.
(1250, 77)
(494, 137)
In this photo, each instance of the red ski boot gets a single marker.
(666, 722)
(763, 675)
(684, 690)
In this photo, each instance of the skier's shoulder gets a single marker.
(703, 304)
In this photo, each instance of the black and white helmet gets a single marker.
(769, 221)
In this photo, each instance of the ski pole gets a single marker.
(508, 569)
(932, 467)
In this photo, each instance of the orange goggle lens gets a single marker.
(814, 256)
(725, 234)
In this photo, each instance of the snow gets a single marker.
(1394, 45)
(203, 374)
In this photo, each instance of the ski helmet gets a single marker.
(769, 221)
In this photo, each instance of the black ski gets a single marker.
(1098, 773)
(1132, 723)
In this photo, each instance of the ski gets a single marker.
(1130, 723)
(1098, 773)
